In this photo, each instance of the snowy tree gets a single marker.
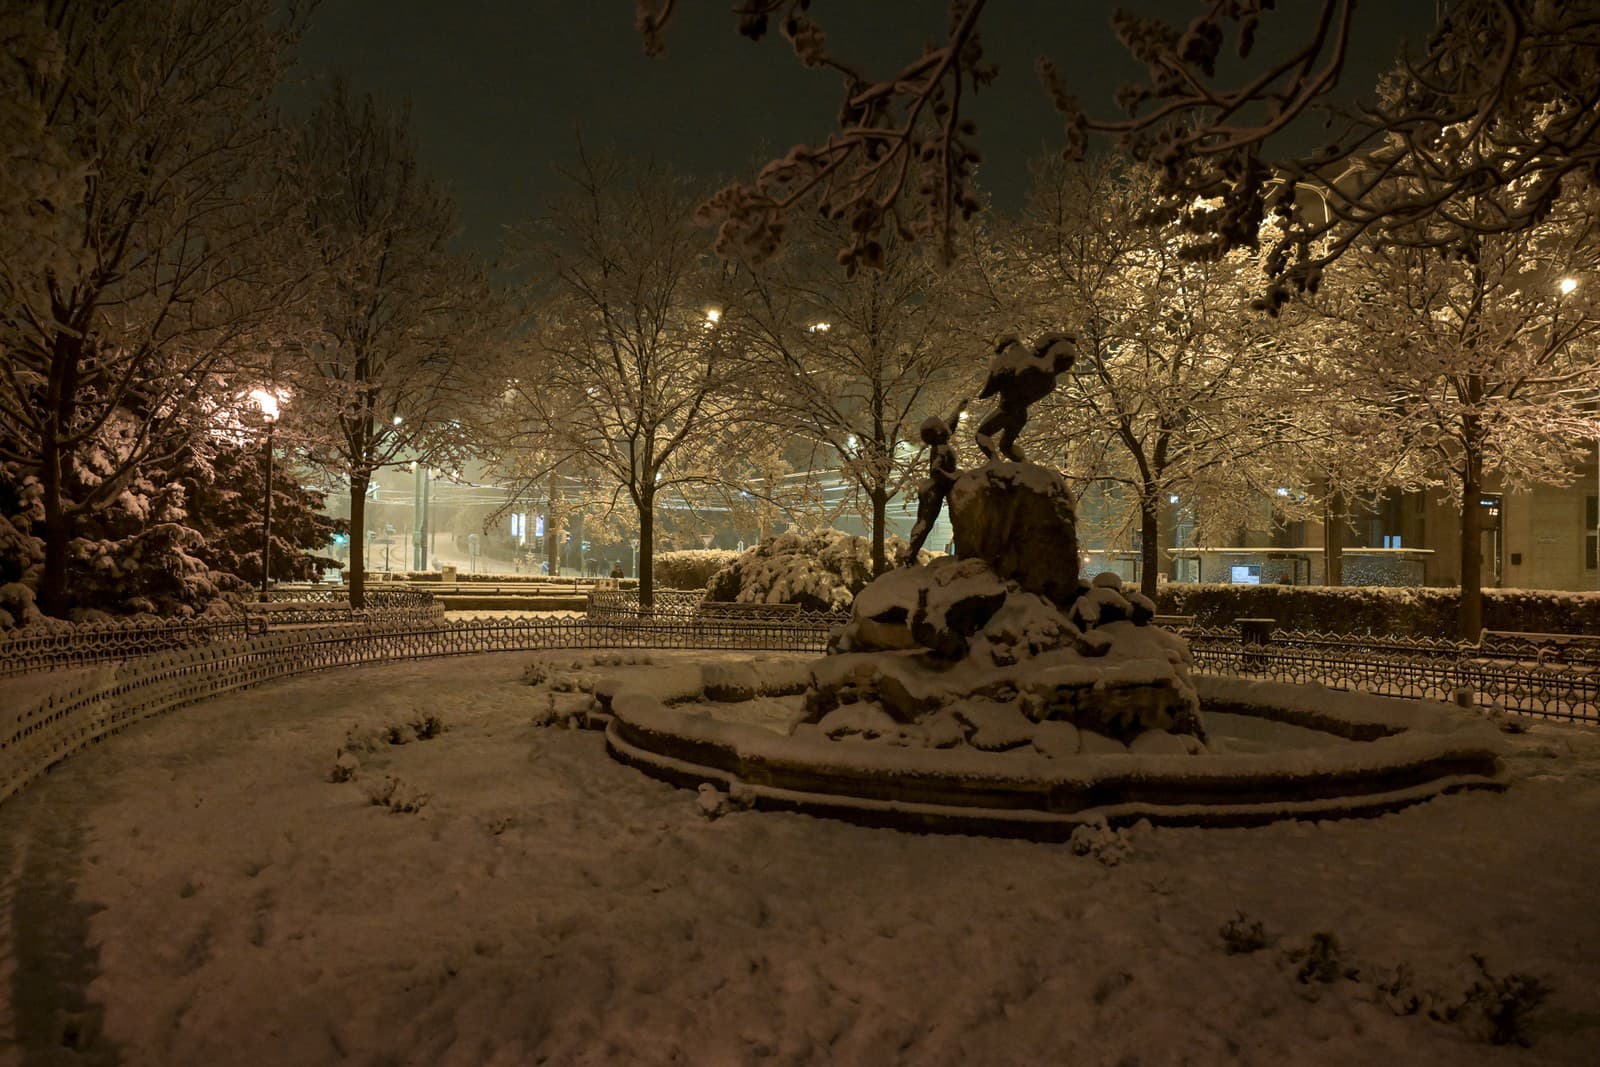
(852, 366)
(626, 370)
(223, 480)
(904, 154)
(1482, 363)
(1179, 389)
(142, 240)
(396, 316)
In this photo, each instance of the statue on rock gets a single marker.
(1017, 516)
(1002, 646)
(942, 472)
(1020, 377)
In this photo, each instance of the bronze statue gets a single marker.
(1019, 377)
(942, 472)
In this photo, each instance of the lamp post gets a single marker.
(268, 402)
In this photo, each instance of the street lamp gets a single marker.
(268, 402)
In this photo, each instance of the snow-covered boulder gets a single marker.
(1020, 519)
(957, 599)
(880, 619)
(1105, 600)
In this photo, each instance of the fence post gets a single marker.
(1255, 635)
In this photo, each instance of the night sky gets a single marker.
(500, 88)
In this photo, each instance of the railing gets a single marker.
(691, 604)
(309, 607)
(32, 649)
(376, 599)
(37, 738)
(1557, 679)
(624, 603)
(33, 739)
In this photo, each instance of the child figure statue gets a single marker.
(942, 472)
(1020, 377)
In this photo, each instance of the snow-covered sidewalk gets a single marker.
(196, 890)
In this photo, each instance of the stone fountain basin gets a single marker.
(1282, 752)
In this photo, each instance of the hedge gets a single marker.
(1416, 611)
(690, 569)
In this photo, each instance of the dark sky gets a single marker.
(499, 88)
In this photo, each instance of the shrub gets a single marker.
(1413, 611)
(402, 798)
(1242, 935)
(1495, 1010)
(1321, 961)
(690, 569)
(820, 571)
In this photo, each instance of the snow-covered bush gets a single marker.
(821, 571)
(1495, 1010)
(400, 797)
(691, 569)
(1406, 610)
(1242, 935)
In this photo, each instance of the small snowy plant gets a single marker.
(713, 803)
(1107, 844)
(1242, 935)
(359, 742)
(398, 796)
(1495, 1010)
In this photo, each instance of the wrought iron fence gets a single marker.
(624, 603)
(1525, 675)
(36, 738)
(376, 599)
(691, 604)
(34, 648)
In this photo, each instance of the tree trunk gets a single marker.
(358, 529)
(1470, 617)
(57, 534)
(1333, 515)
(552, 532)
(647, 548)
(577, 559)
(880, 510)
(1149, 536)
(54, 463)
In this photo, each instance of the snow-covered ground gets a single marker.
(196, 891)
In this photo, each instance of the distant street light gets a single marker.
(268, 402)
(712, 315)
(1567, 285)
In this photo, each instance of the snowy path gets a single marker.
(195, 891)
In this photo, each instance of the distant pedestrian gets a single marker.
(616, 570)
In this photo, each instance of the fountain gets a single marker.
(996, 691)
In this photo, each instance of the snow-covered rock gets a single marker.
(1020, 519)
(957, 598)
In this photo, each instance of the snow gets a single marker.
(195, 890)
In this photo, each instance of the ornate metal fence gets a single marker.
(377, 599)
(303, 607)
(690, 604)
(32, 649)
(34, 739)
(624, 603)
(1553, 679)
